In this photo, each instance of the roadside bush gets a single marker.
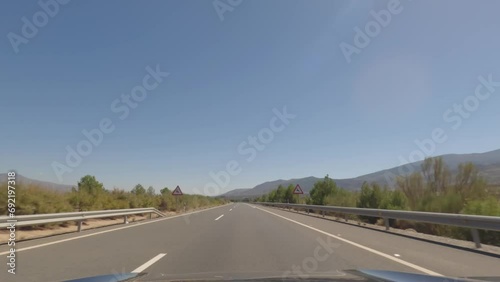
(91, 195)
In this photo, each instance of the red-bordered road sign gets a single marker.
(298, 190)
(177, 191)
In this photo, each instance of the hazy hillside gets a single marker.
(488, 163)
(237, 193)
(491, 173)
(268, 186)
(44, 184)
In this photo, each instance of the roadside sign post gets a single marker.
(298, 191)
(177, 192)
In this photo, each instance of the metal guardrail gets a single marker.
(79, 217)
(474, 222)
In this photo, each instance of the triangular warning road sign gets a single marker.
(298, 190)
(177, 191)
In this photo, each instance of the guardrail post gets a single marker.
(150, 215)
(386, 222)
(79, 226)
(323, 213)
(475, 237)
(125, 221)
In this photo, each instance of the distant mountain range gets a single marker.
(44, 184)
(488, 164)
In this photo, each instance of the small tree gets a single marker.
(138, 190)
(151, 191)
(323, 189)
(370, 197)
(88, 193)
(280, 194)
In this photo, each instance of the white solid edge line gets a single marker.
(106, 231)
(409, 264)
(148, 263)
(219, 217)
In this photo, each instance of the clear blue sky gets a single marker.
(226, 77)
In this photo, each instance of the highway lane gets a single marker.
(91, 232)
(247, 242)
(117, 251)
(242, 241)
(443, 259)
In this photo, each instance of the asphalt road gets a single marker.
(237, 241)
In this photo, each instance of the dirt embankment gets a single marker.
(32, 232)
